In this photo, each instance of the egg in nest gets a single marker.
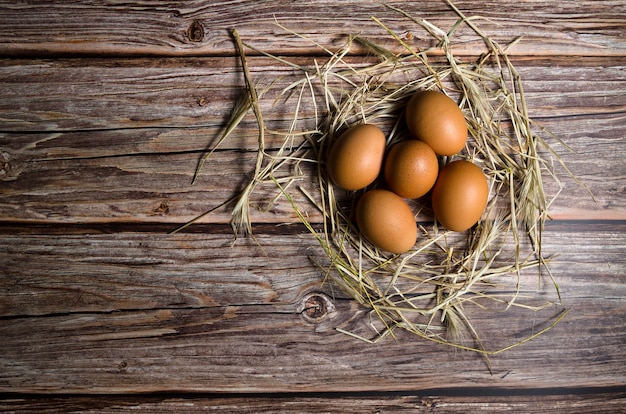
(437, 120)
(411, 168)
(459, 196)
(386, 220)
(356, 158)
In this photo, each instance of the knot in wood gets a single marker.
(5, 165)
(315, 307)
(195, 32)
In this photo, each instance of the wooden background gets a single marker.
(106, 108)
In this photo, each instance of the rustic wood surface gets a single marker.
(107, 107)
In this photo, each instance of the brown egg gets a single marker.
(356, 158)
(386, 220)
(411, 168)
(460, 195)
(437, 120)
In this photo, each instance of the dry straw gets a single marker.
(428, 290)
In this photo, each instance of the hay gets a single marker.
(426, 290)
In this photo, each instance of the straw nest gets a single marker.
(426, 290)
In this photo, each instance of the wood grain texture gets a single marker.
(329, 403)
(196, 304)
(101, 94)
(149, 188)
(64, 161)
(583, 28)
(106, 109)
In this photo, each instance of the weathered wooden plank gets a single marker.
(98, 305)
(572, 403)
(578, 131)
(135, 188)
(117, 94)
(240, 349)
(140, 188)
(207, 264)
(107, 273)
(110, 94)
(200, 27)
(134, 313)
(151, 123)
